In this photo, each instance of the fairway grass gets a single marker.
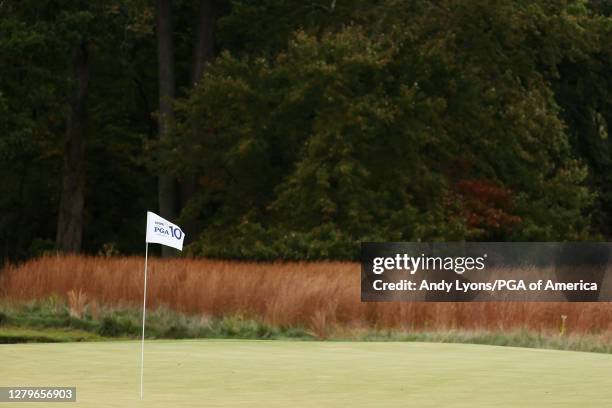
(242, 373)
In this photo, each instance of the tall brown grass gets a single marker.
(318, 295)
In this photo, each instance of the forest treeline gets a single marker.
(283, 129)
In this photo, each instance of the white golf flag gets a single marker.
(161, 231)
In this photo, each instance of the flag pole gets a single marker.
(144, 312)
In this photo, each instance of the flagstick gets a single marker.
(144, 312)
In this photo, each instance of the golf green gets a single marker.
(236, 373)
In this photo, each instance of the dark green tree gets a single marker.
(443, 126)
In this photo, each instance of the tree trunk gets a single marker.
(203, 52)
(204, 46)
(70, 218)
(165, 63)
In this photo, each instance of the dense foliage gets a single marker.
(318, 125)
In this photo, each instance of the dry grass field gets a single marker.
(315, 295)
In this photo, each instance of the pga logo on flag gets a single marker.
(161, 231)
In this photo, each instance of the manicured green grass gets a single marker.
(230, 373)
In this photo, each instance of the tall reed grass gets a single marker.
(318, 295)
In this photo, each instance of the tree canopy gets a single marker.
(315, 126)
